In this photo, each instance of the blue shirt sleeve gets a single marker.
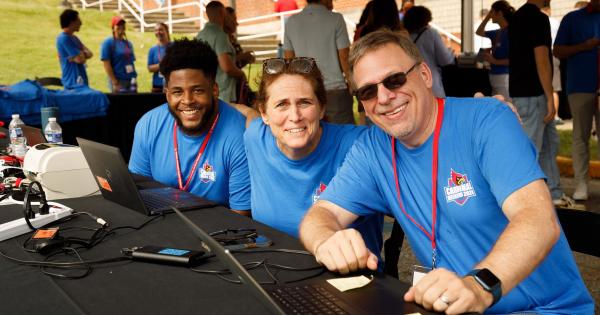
(564, 31)
(139, 161)
(106, 49)
(67, 47)
(491, 34)
(152, 56)
(239, 176)
(354, 186)
(506, 156)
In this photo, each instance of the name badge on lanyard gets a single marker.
(129, 68)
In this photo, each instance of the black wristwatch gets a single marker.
(488, 282)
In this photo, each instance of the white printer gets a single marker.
(61, 169)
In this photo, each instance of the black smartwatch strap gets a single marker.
(495, 290)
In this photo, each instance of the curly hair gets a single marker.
(189, 54)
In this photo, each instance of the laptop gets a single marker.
(315, 297)
(117, 185)
(33, 135)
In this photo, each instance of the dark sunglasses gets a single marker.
(298, 64)
(391, 82)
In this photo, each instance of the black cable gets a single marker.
(37, 263)
(87, 268)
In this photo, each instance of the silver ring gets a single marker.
(444, 299)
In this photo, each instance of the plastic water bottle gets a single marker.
(53, 131)
(133, 85)
(18, 143)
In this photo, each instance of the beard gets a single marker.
(204, 123)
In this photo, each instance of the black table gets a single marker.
(144, 288)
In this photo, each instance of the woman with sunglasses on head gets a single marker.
(155, 54)
(293, 154)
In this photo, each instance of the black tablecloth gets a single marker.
(145, 288)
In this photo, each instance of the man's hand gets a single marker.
(551, 111)
(115, 86)
(503, 100)
(345, 251)
(443, 291)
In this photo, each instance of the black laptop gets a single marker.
(117, 185)
(315, 296)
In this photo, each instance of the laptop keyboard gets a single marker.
(307, 299)
(156, 202)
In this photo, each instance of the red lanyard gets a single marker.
(434, 165)
(200, 153)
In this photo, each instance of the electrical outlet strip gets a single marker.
(19, 226)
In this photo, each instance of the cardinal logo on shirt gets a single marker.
(459, 188)
(207, 173)
(317, 194)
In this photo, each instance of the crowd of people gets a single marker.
(471, 187)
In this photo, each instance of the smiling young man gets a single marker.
(491, 233)
(195, 141)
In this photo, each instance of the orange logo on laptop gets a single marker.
(103, 183)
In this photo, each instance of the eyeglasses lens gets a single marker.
(273, 66)
(301, 65)
(394, 81)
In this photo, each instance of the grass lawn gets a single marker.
(29, 39)
(565, 145)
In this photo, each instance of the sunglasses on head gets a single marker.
(298, 64)
(393, 81)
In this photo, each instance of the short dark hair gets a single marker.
(67, 17)
(190, 54)
(416, 18)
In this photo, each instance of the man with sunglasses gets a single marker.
(195, 141)
(462, 179)
(318, 33)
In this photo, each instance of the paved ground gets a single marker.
(589, 266)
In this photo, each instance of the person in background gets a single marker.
(242, 58)
(218, 40)
(194, 142)
(382, 14)
(480, 42)
(72, 54)
(364, 17)
(319, 33)
(430, 43)
(578, 41)
(556, 82)
(118, 58)
(406, 5)
(463, 180)
(530, 87)
(284, 6)
(501, 13)
(292, 153)
(155, 55)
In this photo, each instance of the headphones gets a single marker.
(43, 208)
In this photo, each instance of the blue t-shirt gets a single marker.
(499, 40)
(283, 189)
(484, 156)
(120, 53)
(155, 55)
(582, 68)
(73, 74)
(222, 173)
